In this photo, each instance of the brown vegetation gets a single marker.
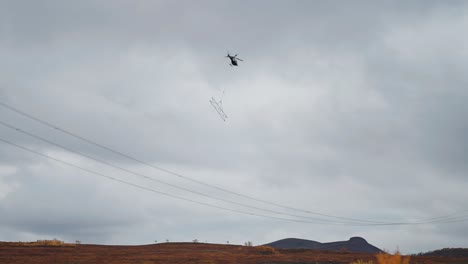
(397, 258)
(265, 250)
(48, 243)
(386, 258)
(185, 253)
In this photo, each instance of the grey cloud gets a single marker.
(349, 108)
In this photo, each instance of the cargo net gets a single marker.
(218, 106)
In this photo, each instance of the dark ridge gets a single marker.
(354, 244)
(292, 243)
(447, 252)
(357, 240)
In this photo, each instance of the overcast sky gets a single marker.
(354, 109)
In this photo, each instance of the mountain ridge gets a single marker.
(354, 244)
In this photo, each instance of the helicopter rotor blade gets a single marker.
(239, 59)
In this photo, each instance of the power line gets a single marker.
(191, 200)
(355, 221)
(157, 180)
(171, 172)
(151, 189)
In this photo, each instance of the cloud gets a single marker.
(350, 109)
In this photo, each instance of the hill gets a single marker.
(184, 253)
(354, 244)
(447, 252)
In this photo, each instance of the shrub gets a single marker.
(397, 258)
(265, 250)
(360, 261)
(41, 243)
(386, 258)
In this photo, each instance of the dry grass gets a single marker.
(362, 262)
(397, 258)
(386, 258)
(265, 250)
(43, 243)
(43, 252)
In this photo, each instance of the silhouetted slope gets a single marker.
(294, 243)
(448, 252)
(354, 244)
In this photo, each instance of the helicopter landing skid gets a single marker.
(218, 106)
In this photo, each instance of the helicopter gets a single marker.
(233, 59)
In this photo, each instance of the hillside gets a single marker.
(448, 252)
(183, 253)
(354, 244)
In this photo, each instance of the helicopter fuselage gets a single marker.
(233, 61)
